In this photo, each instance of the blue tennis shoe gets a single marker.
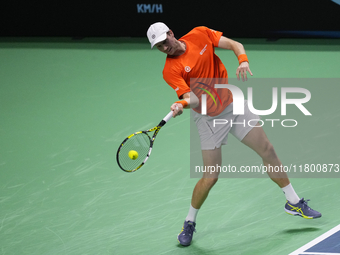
(302, 209)
(185, 236)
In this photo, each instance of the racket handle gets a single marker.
(168, 117)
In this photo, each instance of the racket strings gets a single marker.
(140, 143)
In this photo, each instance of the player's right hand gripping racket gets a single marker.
(142, 143)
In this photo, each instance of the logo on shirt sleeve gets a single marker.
(187, 69)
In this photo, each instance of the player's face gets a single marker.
(169, 45)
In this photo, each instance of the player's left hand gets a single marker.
(242, 71)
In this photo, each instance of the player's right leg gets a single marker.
(200, 193)
(208, 180)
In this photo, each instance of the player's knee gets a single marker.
(209, 182)
(268, 152)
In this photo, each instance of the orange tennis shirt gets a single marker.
(191, 70)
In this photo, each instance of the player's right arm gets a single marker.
(191, 101)
(173, 76)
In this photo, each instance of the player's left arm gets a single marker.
(238, 49)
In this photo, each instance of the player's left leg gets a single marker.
(257, 140)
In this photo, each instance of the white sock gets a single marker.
(290, 194)
(192, 214)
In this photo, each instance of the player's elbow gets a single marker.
(238, 47)
(194, 102)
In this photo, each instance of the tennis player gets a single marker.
(192, 58)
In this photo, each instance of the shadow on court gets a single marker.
(300, 230)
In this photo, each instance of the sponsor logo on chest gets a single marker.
(204, 49)
(188, 68)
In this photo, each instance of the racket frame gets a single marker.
(156, 129)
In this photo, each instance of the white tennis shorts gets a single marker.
(213, 131)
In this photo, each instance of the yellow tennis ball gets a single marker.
(133, 154)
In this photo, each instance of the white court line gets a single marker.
(318, 253)
(315, 241)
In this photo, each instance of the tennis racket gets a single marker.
(140, 142)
